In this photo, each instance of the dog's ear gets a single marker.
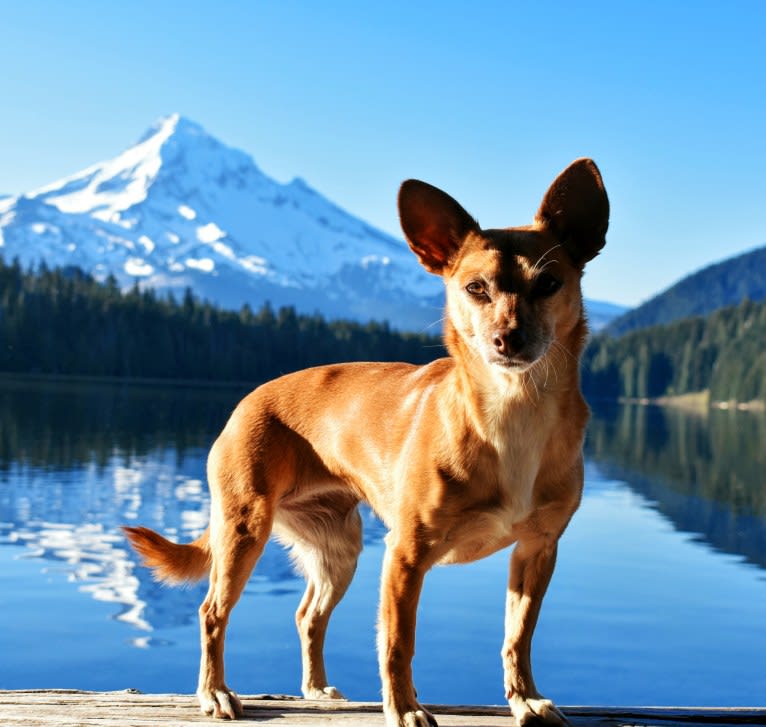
(576, 210)
(435, 224)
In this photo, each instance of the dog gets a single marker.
(460, 458)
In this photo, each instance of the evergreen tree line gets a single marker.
(63, 321)
(724, 353)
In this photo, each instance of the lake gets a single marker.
(659, 597)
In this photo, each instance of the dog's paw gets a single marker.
(321, 693)
(533, 712)
(220, 703)
(413, 718)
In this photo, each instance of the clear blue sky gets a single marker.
(488, 100)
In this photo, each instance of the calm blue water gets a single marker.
(659, 596)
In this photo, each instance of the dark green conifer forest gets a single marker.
(723, 353)
(62, 321)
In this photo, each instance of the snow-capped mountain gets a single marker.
(182, 209)
(179, 208)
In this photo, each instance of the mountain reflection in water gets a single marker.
(92, 458)
(705, 471)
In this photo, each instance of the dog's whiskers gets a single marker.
(562, 349)
(547, 263)
(530, 374)
(437, 322)
(535, 268)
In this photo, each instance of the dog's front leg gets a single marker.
(532, 564)
(401, 583)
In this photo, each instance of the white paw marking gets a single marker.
(415, 718)
(220, 703)
(324, 693)
(534, 710)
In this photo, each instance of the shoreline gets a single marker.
(696, 402)
(150, 381)
(693, 402)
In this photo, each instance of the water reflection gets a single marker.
(79, 461)
(705, 471)
(54, 425)
(70, 518)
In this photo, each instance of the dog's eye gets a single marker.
(476, 289)
(546, 285)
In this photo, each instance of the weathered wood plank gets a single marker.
(66, 708)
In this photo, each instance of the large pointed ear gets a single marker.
(435, 224)
(576, 210)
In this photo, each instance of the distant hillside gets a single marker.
(601, 313)
(717, 286)
(723, 353)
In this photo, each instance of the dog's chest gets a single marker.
(518, 463)
(509, 471)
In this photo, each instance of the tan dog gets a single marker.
(459, 458)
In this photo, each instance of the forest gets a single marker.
(723, 353)
(63, 321)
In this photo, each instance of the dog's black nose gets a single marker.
(509, 341)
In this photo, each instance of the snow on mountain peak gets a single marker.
(173, 144)
(180, 208)
(171, 124)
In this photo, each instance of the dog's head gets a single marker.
(511, 292)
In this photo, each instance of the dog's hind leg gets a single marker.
(325, 536)
(241, 518)
(235, 548)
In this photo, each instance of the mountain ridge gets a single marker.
(721, 284)
(181, 209)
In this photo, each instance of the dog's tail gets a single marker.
(171, 562)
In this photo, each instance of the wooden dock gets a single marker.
(67, 708)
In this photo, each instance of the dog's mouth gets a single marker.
(517, 363)
(514, 364)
